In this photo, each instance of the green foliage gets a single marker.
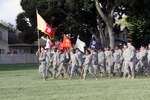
(27, 33)
(76, 17)
(66, 16)
(139, 20)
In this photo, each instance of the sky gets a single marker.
(9, 9)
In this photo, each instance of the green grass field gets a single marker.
(23, 82)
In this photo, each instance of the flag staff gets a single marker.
(38, 33)
(91, 41)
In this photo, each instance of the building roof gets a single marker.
(35, 44)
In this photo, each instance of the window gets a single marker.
(0, 35)
(2, 51)
(124, 36)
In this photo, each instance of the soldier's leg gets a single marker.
(86, 67)
(73, 69)
(59, 71)
(119, 69)
(142, 69)
(122, 68)
(148, 68)
(49, 70)
(110, 69)
(145, 67)
(132, 68)
(102, 70)
(46, 72)
(95, 70)
(137, 68)
(91, 70)
(43, 72)
(126, 69)
(115, 69)
(54, 71)
(78, 71)
(40, 68)
(68, 73)
(107, 68)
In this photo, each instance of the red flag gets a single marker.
(60, 46)
(67, 42)
(49, 31)
(44, 27)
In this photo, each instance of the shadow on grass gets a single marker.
(10, 67)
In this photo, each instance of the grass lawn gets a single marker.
(23, 82)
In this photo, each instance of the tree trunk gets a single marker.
(109, 23)
(101, 33)
(111, 36)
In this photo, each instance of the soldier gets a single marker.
(148, 57)
(101, 62)
(55, 61)
(109, 61)
(48, 60)
(137, 66)
(61, 68)
(88, 65)
(131, 58)
(79, 56)
(125, 61)
(74, 64)
(117, 61)
(142, 61)
(95, 62)
(43, 64)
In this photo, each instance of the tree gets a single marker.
(139, 20)
(74, 17)
(27, 33)
(66, 16)
(108, 10)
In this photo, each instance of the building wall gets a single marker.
(18, 58)
(4, 32)
(3, 39)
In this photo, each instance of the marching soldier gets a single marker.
(74, 64)
(88, 65)
(141, 66)
(55, 62)
(109, 61)
(101, 62)
(137, 66)
(148, 57)
(95, 62)
(125, 61)
(61, 68)
(117, 61)
(131, 58)
(79, 56)
(48, 60)
(43, 64)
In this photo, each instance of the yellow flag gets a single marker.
(44, 27)
(41, 24)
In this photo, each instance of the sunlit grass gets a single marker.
(23, 82)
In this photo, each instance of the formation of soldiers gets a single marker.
(125, 62)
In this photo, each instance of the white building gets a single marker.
(4, 47)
